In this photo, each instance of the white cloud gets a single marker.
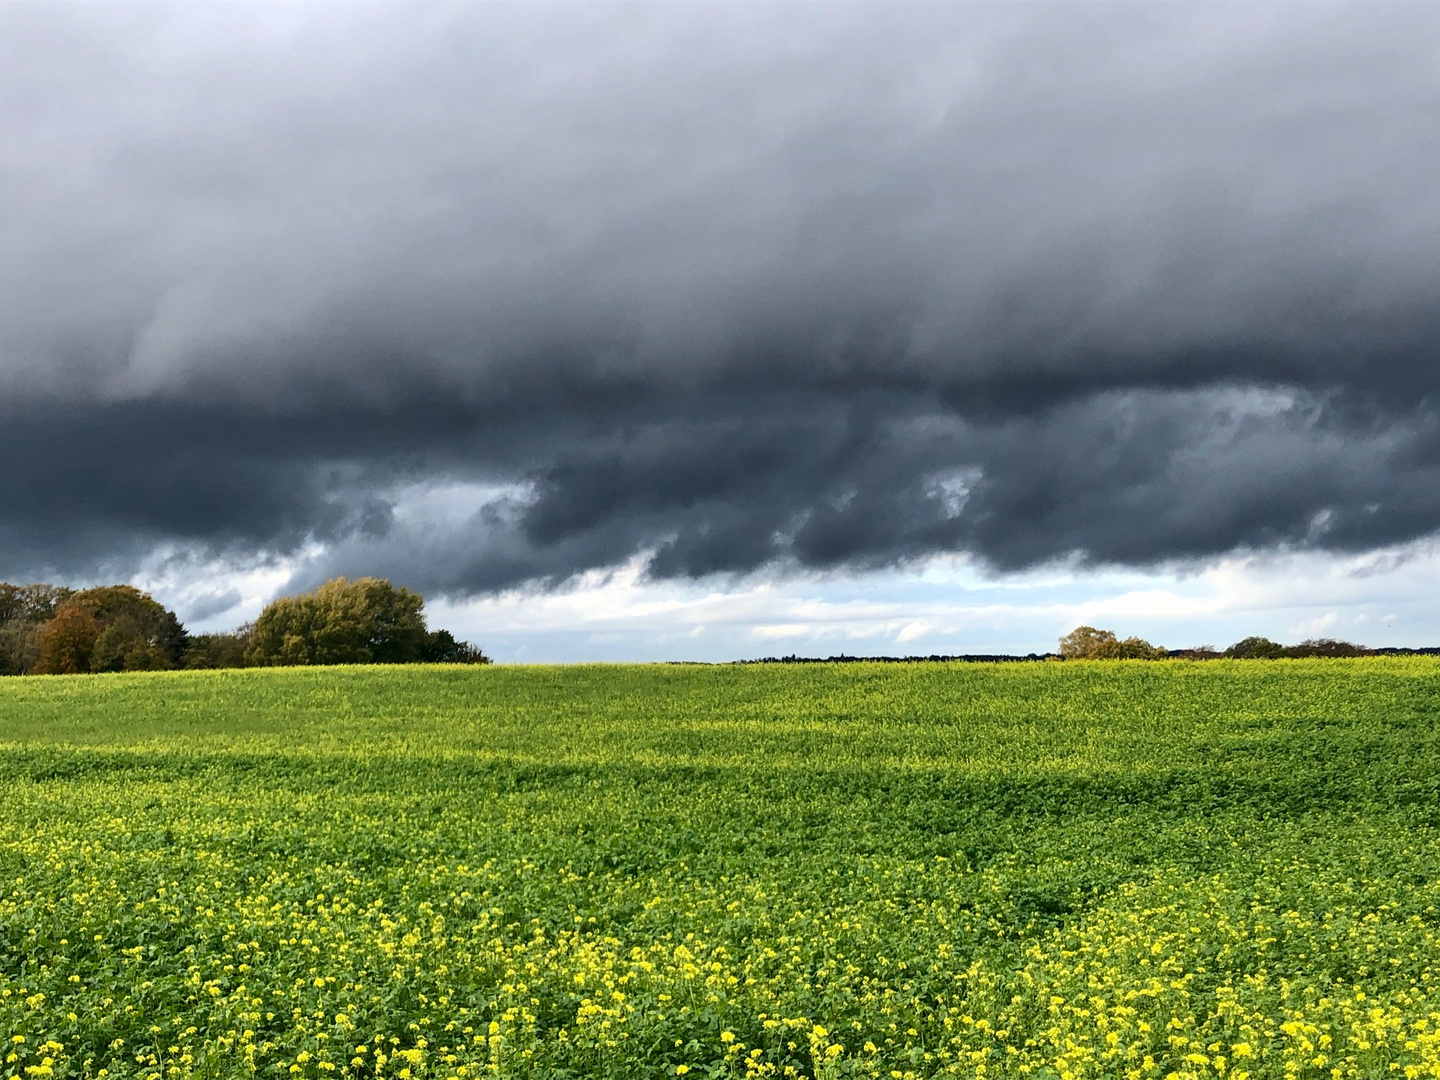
(946, 605)
(212, 592)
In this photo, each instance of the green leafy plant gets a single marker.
(1222, 870)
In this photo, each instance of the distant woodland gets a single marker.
(1088, 643)
(52, 630)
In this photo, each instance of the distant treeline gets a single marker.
(52, 630)
(933, 658)
(1088, 643)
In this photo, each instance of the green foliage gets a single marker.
(368, 621)
(1134, 648)
(442, 648)
(1046, 870)
(1259, 648)
(217, 650)
(1255, 648)
(111, 628)
(30, 603)
(52, 630)
(1198, 652)
(1326, 647)
(19, 646)
(1088, 643)
(23, 610)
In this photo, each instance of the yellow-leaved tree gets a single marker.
(366, 621)
(1088, 643)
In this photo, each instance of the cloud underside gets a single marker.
(737, 289)
(722, 482)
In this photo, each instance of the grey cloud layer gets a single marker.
(736, 286)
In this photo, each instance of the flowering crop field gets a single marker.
(1113, 869)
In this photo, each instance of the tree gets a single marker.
(67, 642)
(1088, 643)
(19, 646)
(442, 648)
(1326, 647)
(368, 621)
(1255, 648)
(218, 650)
(1135, 648)
(30, 603)
(1198, 652)
(24, 609)
(111, 628)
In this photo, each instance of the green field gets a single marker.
(1077, 870)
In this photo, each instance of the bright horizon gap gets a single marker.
(943, 607)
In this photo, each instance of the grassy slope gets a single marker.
(1084, 869)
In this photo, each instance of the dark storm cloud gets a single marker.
(726, 287)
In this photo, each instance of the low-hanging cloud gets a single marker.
(731, 287)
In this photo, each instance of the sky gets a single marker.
(706, 331)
